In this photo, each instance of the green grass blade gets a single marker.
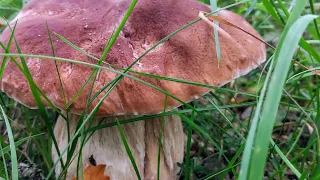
(134, 78)
(214, 7)
(315, 173)
(144, 74)
(271, 10)
(253, 3)
(303, 43)
(55, 63)
(116, 80)
(18, 143)
(121, 73)
(36, 94)
(29, 78)
(13, 153)
(201, 131)
(303, 74)
(225, 117)
(285, 159)
(247, 153)
(314, 21)
(283, 56)
(220, 172)
(7, 50)
(39, 102)
(94, 73)
(168, 113)
(233, 161)
(116, 34)
(125, 143)
(75, 47)
(188, 149)
(160, 136)
(306, 173)
(4, 163)
(295, 142)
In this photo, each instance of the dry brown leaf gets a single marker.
(212, 17)
(2, 22)
(95, 173)
(204, 16)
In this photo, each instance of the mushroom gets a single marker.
(189, 55)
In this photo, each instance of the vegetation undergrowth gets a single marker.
(262, 125)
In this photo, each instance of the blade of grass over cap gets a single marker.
(38, 100)
(150, 75)
(7, 49)
(125, 74)
(70, 153)
(134, 78)
(94, 75)
(60, 81)
(214, 7)
(146, 74)
(36, 95)
(104, 54)
(112, 39)
(56, 65)
(117, 79)
(26, 73)
(34, 89)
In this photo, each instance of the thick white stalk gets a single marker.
(106, 147)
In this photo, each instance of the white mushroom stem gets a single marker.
(106, 147)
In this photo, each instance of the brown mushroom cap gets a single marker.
(189, 55)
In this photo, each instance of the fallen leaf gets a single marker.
(95, 173)
(210, 18)
(2, 22)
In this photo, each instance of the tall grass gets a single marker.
(248, 125)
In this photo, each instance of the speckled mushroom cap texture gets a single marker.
(189, 55)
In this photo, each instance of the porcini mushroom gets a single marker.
(189, 55)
